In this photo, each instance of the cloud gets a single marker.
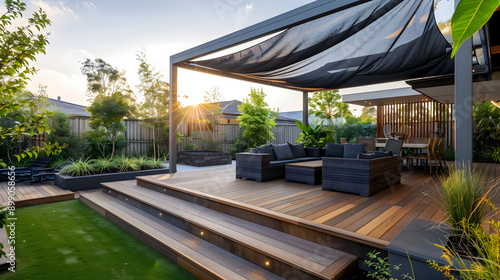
(89, 5)
(55, 9)
(248, 8)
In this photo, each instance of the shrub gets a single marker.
(190, 147)
(465, 198)
(81, 167)
(493, 153)
(125, 164)
(103, 165)
(485, 265)
(210, 145)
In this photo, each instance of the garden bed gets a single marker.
(94, 181)
(203, 158)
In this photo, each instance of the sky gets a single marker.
(116, 30)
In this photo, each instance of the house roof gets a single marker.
(68, 108)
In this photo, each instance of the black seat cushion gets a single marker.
(384, 153)
(352, 150)
(266, 149)
(367, 155)
(298, 150)
(282, 152)
(334, 150)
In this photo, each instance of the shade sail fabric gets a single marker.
(374, 42)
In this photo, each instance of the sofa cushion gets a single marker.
(334, 150)
(383, 153)
(253, 150)
(266, 149)
(352, 150)
(282, 152)
(313, 152)
(367, 155)
(297, 150)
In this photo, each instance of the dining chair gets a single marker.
(428, 156)
(395, 146)
(343, 140)
(440, 153)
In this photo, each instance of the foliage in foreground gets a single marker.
(485, 265)
(466, 198)
(19, 46)
(84, 167)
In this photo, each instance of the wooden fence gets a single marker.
(422, 120)
(140, 137)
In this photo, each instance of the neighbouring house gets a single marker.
(200, 118)
(74, 110)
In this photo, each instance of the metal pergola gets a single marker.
(309, 12)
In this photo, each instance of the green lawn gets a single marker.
(68, 240)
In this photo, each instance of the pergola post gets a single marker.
(463, 105)
(305, 108)
(172, 133)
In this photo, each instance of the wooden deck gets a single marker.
(37, 193)
(381, 216)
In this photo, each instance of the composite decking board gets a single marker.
(187, 246)
(218, 223)
(329, 206)
(413, 184)
(401, 224)
(366, 218)
(291, 200)
(370, 226)
(316, 206)
(340, 208)
(204, 248)
(305, 204)
(384, 226)
(278, 192)
(428, 212)
(393, 198)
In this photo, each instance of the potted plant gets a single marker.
(314, 136)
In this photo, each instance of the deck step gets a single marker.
(201, 258)
(283, 254)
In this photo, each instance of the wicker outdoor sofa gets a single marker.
(354, 172)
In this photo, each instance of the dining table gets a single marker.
(406, 145)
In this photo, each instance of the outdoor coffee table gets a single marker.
(308, 172)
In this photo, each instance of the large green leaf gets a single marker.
(469, 17)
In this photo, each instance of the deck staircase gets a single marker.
(214, 244)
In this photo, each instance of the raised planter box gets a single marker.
(416, 242)
(203, 158)
(94, 181)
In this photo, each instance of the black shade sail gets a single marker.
(374, 42)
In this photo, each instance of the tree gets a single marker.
(104, 79)
(212, 100)
(61, 133)
(327, 105)
(156, 94)
(256, 118)
(369, 114)
(108, 112)
(18, 47)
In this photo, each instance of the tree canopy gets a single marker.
(326, 105)
(19, 45)
(108, 112)
(104, 79)
(256, 118)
